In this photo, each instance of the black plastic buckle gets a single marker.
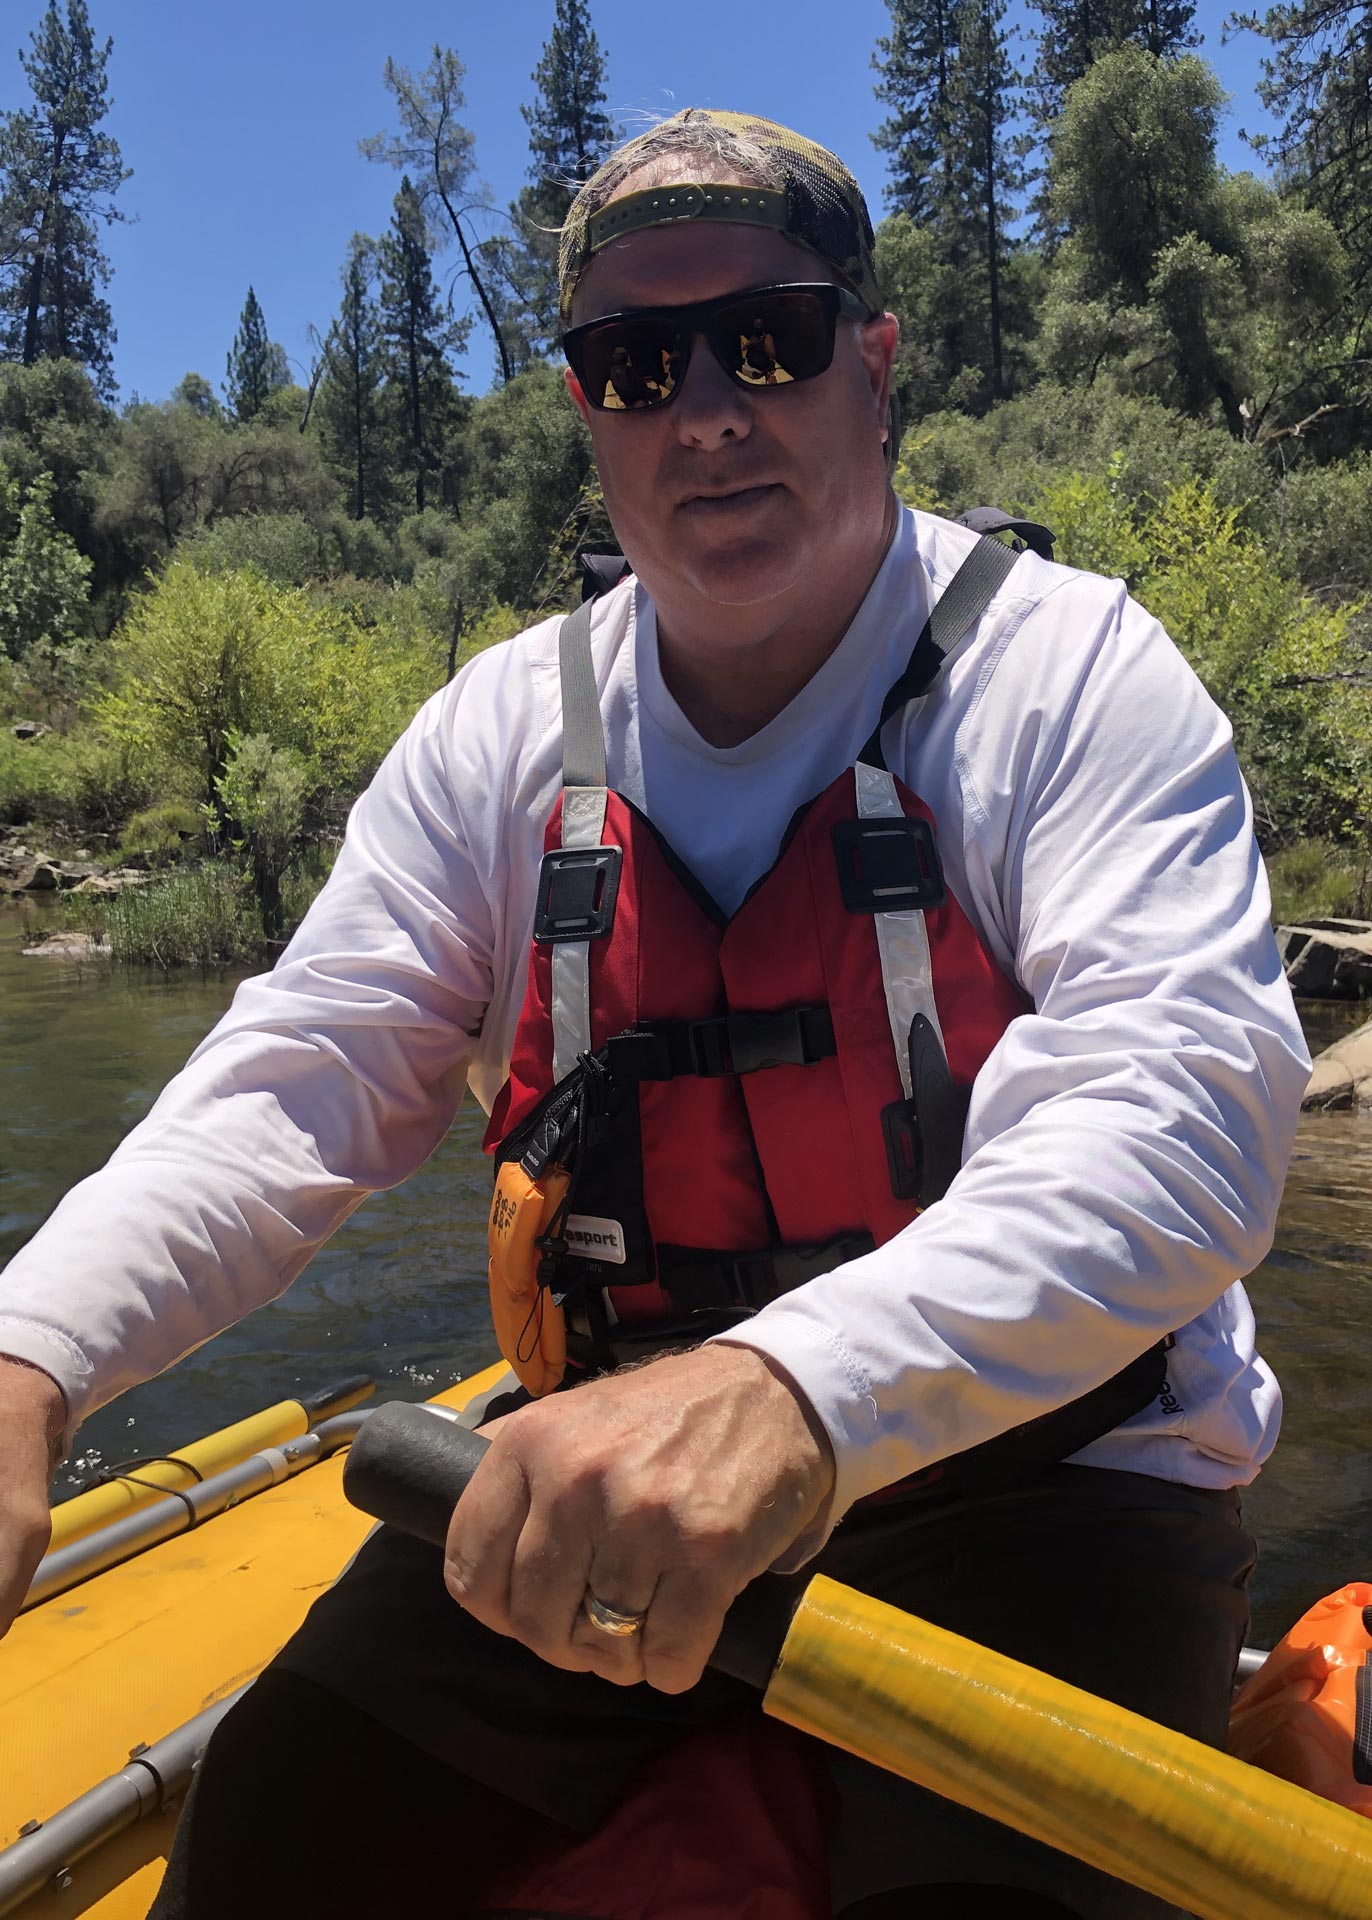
(752, 1042)
(888, 865)
(904, 1149)
(577, 890)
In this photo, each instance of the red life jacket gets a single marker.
(748, 1101)
(758, 1062)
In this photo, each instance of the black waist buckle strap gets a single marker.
(709, 1293)
(726, 1043)
(697, 1281)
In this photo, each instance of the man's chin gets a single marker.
(743, 573)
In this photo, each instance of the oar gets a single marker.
(1218, 1838)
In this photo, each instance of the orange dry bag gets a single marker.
(1307, 1716)
(529, 1322)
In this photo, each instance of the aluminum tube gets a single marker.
(148, 1526)
(1252, 1660)
(150, 1781)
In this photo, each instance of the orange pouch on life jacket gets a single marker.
(1307, 1716)
(529, 1324)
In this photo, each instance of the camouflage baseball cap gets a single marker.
(816, 201)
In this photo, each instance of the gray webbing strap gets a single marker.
(962, 603)
(970, 592)
(583, 735)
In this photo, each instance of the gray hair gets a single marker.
(676, 139)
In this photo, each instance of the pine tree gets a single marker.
(948, 75)
(916, 63)
(1318, 82)
(58, 177)
(569, 130)
(982, 98)
(1077, 32)
(256, 365)
(419, 336)
(438, 152)
(570, 133)
(349, 403)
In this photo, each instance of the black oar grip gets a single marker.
(409, 1466)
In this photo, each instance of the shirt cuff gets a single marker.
(57, 1356)
(834, 1386)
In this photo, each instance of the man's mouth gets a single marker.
(731, 499)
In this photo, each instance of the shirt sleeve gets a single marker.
(1128, 1139)
(334, 1075)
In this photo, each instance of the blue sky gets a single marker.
(240, 119)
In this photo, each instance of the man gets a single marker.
(1079, 925)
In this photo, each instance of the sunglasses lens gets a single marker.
(628, 365)
(778, 337)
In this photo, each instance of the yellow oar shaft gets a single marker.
(1219, 1838)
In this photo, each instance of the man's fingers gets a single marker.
(482, 1537)
(683, 1624)
(623, 1577)
(547, 1581)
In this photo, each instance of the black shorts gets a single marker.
(1131, 1587)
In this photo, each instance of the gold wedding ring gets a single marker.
(610, 1620)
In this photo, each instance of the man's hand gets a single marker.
(663, 1489)
(32, 1416)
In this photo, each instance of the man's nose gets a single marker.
(710, 408)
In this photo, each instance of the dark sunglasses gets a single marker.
(762, 337)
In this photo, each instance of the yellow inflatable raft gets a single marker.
(144, 1622)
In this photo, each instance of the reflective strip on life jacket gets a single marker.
(583, 825)
(902, 938)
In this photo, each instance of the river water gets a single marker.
(400, 1291)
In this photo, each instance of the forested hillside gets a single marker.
(217, 609)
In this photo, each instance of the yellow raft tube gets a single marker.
(111, 1678)
(144, 1623)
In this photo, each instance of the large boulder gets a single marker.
(1328, 959)
(1342, 1074)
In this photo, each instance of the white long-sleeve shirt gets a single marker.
(1127, 1140)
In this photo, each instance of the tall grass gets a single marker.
(204, 918)
(1317, 880)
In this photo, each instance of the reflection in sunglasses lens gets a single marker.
(635, 365)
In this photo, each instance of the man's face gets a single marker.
(731, 497)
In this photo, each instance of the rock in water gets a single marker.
(1328, 959)
(69, 946)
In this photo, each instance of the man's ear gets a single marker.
(579, 400)
(877, 343)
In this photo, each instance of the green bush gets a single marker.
(204, 919)
(1325, 527)
(207, 657)
(69, 783)
(283, 547)
(261, 796)
(949, 461)
(158, 836)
